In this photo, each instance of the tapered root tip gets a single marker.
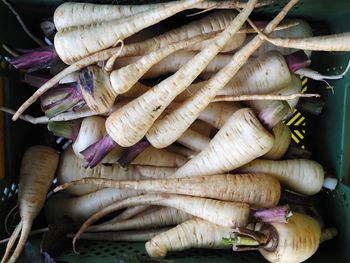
(61, 187)
(75, 239)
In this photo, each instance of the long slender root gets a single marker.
(12, 241)
(265, 97)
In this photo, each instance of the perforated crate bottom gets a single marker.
(115, 252)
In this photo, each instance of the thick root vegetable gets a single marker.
(300, 175)
(217, 113)
(74, 43)
(194, 233)
(263, 75)
(73, 168)
(181, 118)
(301, 30)
(36, 174)
(76, 14)
(241, 140)
(281, 143)
(82, 207)
(138, 116)
(259, 190)
(99, 88)
(335, 42)
(293, 242)
(159, 158)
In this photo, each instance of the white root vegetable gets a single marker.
(259, 190)
(181, 118)
(194, 233)
(262, 75)
(139, 115)
(37, 171)
(300, 175)
(281, 143)
(72, 168)
(159, 157)
(294, 87)
(301, 30)
(335, 42)
(297, 241)
(82, 207)
(91, 130)
(219, 212)
(194, 140)
(217, 113)
(163, 217)
(155, 172)
(74, 14)
(241, 140)
(99, 88)
(172, 63)
(74, 43)
(128, 213)
(208, 24)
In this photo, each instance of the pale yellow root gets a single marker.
(194, 233)
(159, 158)
(130, 212)
(217, 113)
(241, 140)
(194, 140)
(281, 142)
(74, 43)
(26, 227)
(265, 97)
(300, 175)
(335, 42)
(297, 240)
(223, 213)
(180, 119)
(12, 241)
(260, 190)
(75, 14)
(80, 208)
(138, 116)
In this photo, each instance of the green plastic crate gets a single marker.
(327, 133)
